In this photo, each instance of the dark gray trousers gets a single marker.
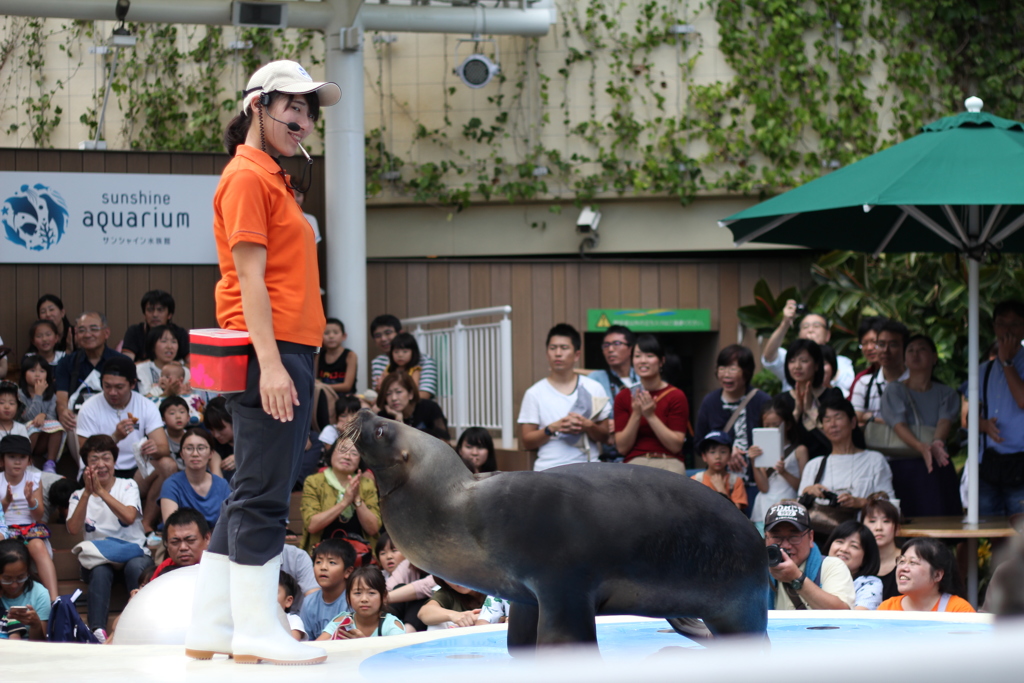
(268, 456)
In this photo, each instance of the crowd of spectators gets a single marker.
(152, 459)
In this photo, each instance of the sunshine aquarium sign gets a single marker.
(107, 218)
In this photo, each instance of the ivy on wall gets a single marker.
(815, 85)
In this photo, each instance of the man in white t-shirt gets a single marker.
(130, 418)
(565, 416)
(813, 327)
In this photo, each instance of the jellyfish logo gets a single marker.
(35, 217)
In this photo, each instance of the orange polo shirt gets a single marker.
(254, 204)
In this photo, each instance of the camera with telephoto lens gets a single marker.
(801, 309)
(774, 555)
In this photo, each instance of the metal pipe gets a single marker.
(471, 20)
(311, 15)
(972, 425)
(345, 196)
(106, 98)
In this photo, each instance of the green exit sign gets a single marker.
(650, 320)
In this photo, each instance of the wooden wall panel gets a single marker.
(629, 284)
(397, 287)
(609, 286)
(416, 290)
(115, 289)
(689, 286)
(543, 313)
(523, 334)
(573, 313)
(438, 300)
(668, 286)
(480, 286)
(458, 287)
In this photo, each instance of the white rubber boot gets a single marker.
(259, 635)
(211, 628)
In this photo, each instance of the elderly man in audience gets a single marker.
(814, 327)
(78, 373)
(134, 423)
(1001, 485)
(801, 577)
(186, 536)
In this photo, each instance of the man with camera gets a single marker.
(801, 577)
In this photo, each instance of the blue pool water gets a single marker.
(633, 641)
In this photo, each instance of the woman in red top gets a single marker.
(270, 288)
(651, 420)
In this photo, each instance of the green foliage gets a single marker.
(815, 84)
(926, 292)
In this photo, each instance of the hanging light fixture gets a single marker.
(477, 70)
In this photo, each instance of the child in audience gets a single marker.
(333, 562)
(22, 495)
(494, 611)
(367, 595)
(42, 341)
(10, 405)
(287, 590)
(174, 381)
(25, 603)
(38, 393)
(217, 421)
(174, 412)
(451, 606)
(476, 448)
(336, 365)
(346, 407)
(715, 450)
(408, 588)
(404, 354)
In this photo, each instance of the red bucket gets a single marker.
(219, 359)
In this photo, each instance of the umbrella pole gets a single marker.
(972, 426)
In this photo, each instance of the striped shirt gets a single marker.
(428, 372)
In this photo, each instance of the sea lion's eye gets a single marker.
(380, 432)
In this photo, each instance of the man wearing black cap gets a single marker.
(130, 419)
(804, 579)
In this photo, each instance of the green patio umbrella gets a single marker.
(956, 186)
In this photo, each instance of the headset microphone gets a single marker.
(292, 126)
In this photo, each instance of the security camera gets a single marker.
(587, 223)
(121, 9)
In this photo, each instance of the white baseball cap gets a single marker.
(288, 77)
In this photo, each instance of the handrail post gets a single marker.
(460, 377)
(505, 331)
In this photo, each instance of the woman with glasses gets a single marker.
(108, 507)
(341, 501)
(927, 579)
(850, 471)
(195, 487)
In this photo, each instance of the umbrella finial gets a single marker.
(973, 104)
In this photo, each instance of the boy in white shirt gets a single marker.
(565, 416)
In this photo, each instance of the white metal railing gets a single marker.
(474, 367)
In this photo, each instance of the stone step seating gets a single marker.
(69, 571)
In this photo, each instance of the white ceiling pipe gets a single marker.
(475, 19)
(311, 15)
(533, 21)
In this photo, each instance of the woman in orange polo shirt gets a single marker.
(926, 578)
(269, 287)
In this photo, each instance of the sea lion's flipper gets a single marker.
(522, 629)
(690, 627)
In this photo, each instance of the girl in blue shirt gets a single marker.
(367, 596)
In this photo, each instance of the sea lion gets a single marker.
(569, 543)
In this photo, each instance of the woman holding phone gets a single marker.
(269, 287)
